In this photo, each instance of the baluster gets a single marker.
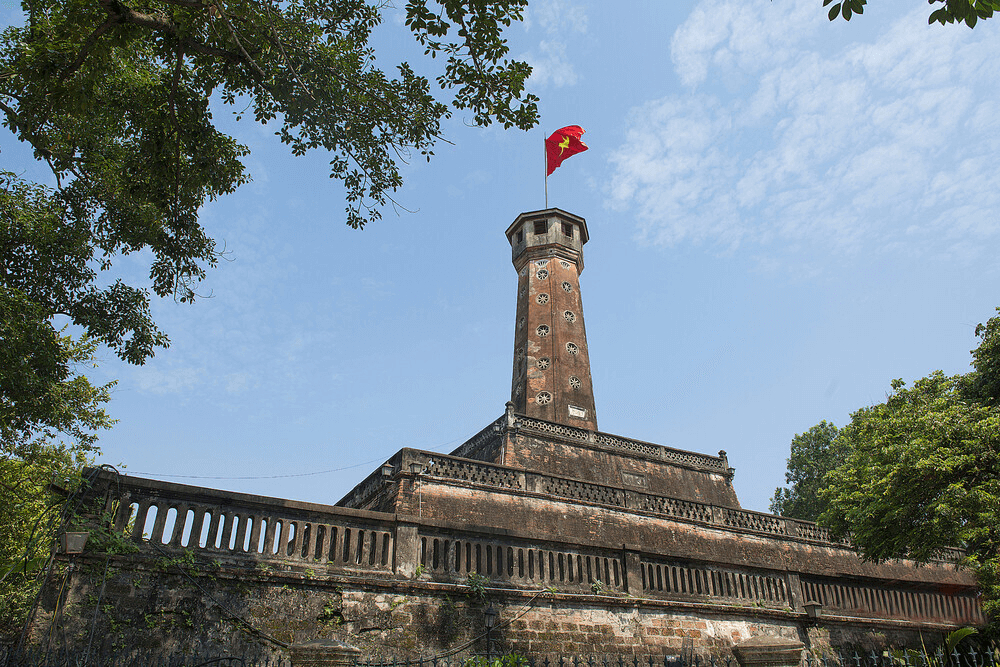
(156, 535)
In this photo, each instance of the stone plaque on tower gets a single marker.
(551, 373)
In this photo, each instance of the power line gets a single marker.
(300, 474)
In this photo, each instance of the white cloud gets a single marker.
(556, 16)
(549, 62)
(552, 66)
(784, 138)
(173, 380)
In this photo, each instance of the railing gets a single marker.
(626, 444)
(484, 445)
(846, 598)
(965, 656)
(129, 656)
(235, 526)
(689, 581)
(503, 477)
(241, 530)
(529, 564)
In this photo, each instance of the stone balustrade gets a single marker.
(242, 530)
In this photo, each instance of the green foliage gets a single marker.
(115, 99)
(507, 660)
(954, 11)
(184, 561)
(106, 540)
(30, 513)
(478, 586)
(813, 454)
(333, 612)
(983, 385)
(909, 656)
(922, 471)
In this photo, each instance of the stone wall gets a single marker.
(190, 569)
(183, 604)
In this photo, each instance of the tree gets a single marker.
(813, 454)
(115, 97)
(30, 514)
(954, 11)
(922, 470)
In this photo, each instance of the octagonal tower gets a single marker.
(551, 376)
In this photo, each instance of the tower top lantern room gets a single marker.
(551, 374)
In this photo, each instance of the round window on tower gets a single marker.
(542, 274)
(570, 316)
(542, 298)
(575, 383)
(567, 286)
(542, 262)
(543, 397)
(542, 330)
(520, 323)
(563, 263)
(543, 363)
(572, 348)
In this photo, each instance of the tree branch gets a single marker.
(250, 61)
(160, 23)
(88, 45)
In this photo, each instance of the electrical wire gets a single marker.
(226, 610)
(104, 577)
(434, 448)
(300, 474)
(46, 572)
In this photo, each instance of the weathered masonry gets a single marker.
(641, 547)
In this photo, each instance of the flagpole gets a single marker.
(545, 165)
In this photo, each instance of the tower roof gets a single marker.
(549, 213)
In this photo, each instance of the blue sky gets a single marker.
(785, 214)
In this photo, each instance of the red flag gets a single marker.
(562, 144)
